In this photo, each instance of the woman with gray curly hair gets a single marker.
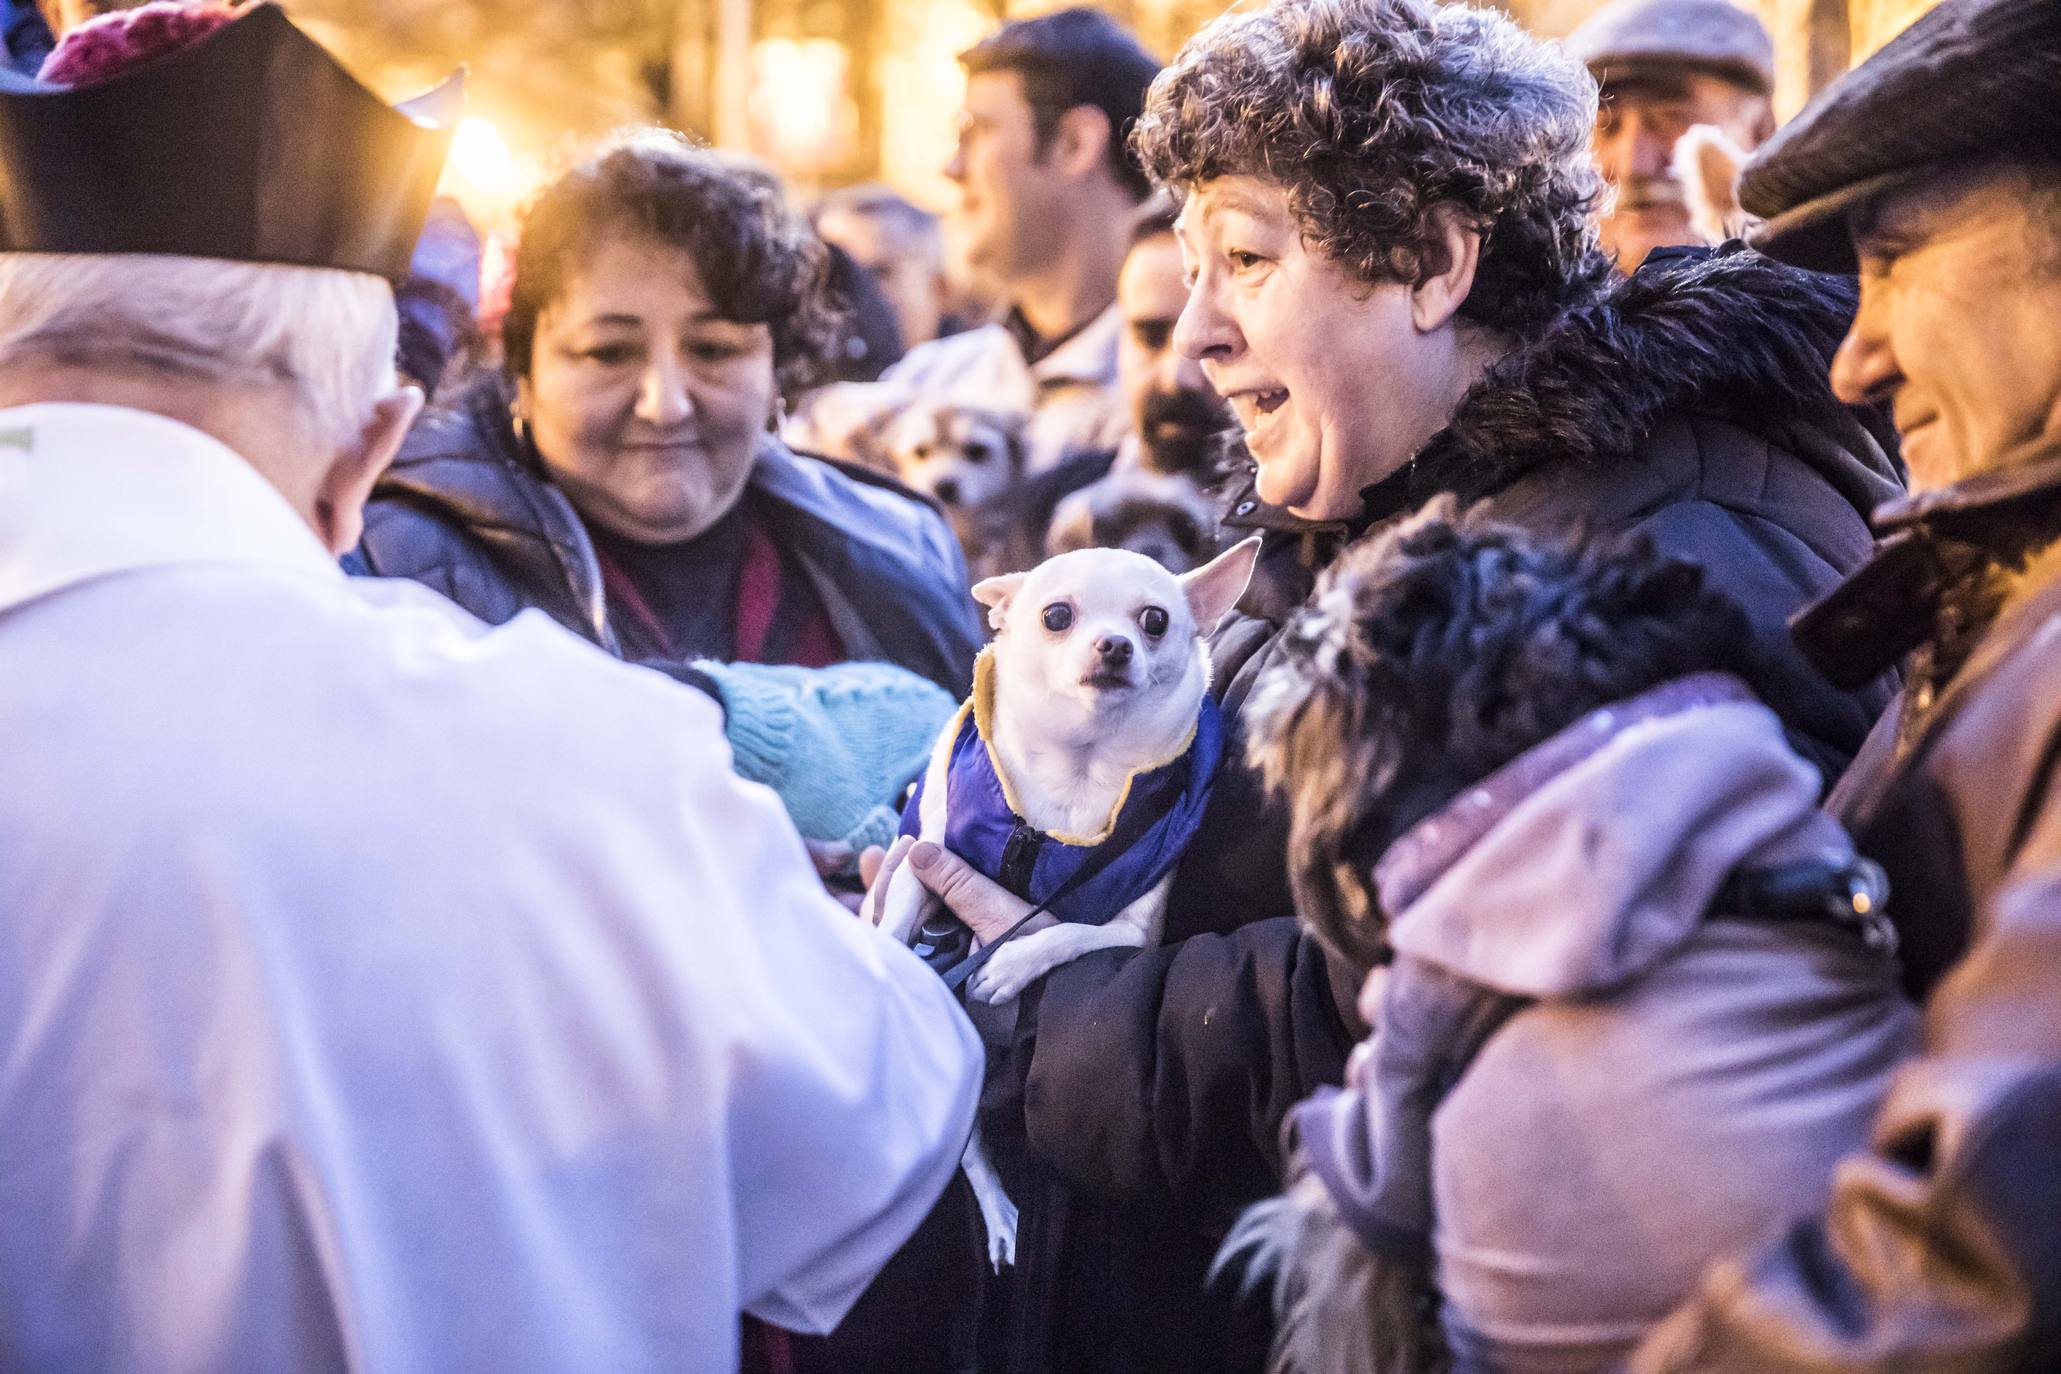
(1387, 217)
(1388, 220)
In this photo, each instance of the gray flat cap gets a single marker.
(1971, 81)
(1709, 35)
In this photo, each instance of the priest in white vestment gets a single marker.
(378, 991)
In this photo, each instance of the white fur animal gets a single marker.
(1706, 166)
(1096, 675)
(963, 456)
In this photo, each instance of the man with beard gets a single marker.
(1176, 418)
(1664, 67)
(1155, 499)
(1934, 169)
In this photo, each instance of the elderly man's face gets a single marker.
(1960, 321)
(1642, 116)
(1173, 411)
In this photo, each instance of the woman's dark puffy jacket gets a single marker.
(468, 511)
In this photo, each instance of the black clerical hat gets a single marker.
(251, 144)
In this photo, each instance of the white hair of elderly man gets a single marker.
(292, 367)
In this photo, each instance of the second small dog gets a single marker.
(1078, 771)
(1169, 518)
(963, 457)
(971, 462)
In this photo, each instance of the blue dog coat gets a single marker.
(984, 827)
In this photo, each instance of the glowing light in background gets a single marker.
(919, 69)
(803, 116)
(484, 174)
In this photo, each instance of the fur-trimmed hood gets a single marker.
(1724, 333)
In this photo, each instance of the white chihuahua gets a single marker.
(1077, 771)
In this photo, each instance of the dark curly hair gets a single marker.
(1376, 116)
(1433, 655)
(759, 260)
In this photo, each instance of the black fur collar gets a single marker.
(1727, 333)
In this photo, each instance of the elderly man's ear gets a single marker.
(339, 509)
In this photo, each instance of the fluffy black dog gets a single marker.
(1428, 659)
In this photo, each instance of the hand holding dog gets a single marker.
(988, 908)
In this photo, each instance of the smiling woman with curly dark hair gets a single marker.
(758, 260)
(620, 473)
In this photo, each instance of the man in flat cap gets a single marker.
(378, 990)
(1934, 169)
(1664, 67)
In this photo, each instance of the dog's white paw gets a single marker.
(1008, 971)
(1001, 1228)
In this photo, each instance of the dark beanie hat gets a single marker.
(1971, 81)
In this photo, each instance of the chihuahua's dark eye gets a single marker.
(1058, 617)
(976, 453)
(1153, 620)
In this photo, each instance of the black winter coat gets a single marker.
(1691, 404)
(466, 509)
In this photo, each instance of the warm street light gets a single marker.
(483, 172)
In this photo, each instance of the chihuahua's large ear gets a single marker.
(995, 592)
(1214, 588)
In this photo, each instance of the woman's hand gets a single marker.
(988, 908)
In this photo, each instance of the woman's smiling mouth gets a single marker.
(1253, 406)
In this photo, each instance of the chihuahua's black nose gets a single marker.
(947, 492)
(1115, 650)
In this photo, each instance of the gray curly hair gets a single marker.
(1377, 115)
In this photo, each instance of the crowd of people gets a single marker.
(1621, 928)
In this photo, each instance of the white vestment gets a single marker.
(383, 991)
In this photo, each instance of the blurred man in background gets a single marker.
(1175, 415)
(1666, 66)
(1047, 188)
(899, 245)
(1156, 500)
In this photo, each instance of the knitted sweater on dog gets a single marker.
(1155, 817)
